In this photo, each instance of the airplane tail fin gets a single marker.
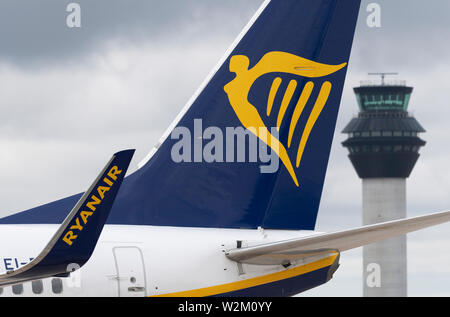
(282, 81)
(251, 148)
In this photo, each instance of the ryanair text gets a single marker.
(95, 200)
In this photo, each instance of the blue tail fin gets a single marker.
(283, 82)
(74, 242)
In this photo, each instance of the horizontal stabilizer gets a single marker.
(283, 252)
(74, 242)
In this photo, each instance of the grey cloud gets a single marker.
(413, 34)
(35, 32)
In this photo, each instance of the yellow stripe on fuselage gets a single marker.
(261, 280)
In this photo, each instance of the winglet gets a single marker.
(74, 242)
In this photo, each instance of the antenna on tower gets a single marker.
(383, 75)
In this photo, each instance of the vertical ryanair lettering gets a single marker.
(81, 220)
(278, 62)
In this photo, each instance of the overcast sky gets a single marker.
(66, 92)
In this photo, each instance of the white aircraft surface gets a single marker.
(197, 218)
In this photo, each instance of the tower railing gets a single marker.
(391, 82)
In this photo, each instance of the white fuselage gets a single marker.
(140, 260)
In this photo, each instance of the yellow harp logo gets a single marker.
(278, 62)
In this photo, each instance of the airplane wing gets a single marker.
(73, 243)
(283, 252)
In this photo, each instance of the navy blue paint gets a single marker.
(284, 288)
(237, 195)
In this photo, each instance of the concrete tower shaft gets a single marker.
(384, 199)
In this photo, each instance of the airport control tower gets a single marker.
(383, 141)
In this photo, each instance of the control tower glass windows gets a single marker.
(383, 98)
(376, 133)
(407, 97)
(378, 148)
